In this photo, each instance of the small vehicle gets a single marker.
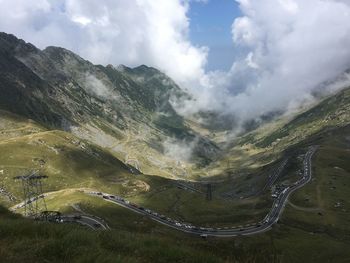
(204, 236)
(105, 197)
(77, 217)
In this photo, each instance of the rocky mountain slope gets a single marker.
(128, 112)
(124, 110)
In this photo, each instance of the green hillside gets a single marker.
(114, 129)
(313, 228)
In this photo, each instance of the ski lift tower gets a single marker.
(34, 201)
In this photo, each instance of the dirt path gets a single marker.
(30, 136)
(69, 190)
(305, 209)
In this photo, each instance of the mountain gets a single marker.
(125, 110)
(113, 129)
(129, 112)
(330, 113)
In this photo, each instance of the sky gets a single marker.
(210, 25)
(241, 57)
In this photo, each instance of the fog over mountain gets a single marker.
(287, 48)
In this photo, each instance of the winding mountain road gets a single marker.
(270, 219)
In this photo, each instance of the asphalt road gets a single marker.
(92, 222)
(270, 219)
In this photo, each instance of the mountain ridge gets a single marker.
(96, 102)
(129, 112)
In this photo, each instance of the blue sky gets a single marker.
(210, 25)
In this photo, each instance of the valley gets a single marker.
(114, 149)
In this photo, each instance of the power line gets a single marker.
(34, 201)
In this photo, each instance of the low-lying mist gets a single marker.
(285, 50)
(290, 50)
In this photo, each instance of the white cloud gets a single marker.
(297, 44)
(289, 5)
(288, 48)
(250, 61)
(179, 150)
(244, 31)
(129, 32)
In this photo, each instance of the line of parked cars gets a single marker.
(163, 218)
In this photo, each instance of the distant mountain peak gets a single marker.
(59, 53)
(11, 43)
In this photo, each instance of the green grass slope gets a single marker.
(313, 228)
(331, 112)
(69, 163)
